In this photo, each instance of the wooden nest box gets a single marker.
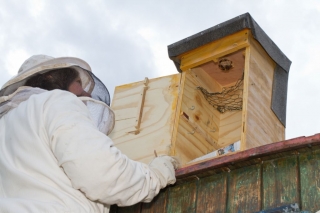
(229, 95)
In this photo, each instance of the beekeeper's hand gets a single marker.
(164, 168)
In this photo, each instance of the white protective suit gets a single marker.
(53, 158)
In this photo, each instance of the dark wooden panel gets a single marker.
(212, 194)
(158, 204)
(182, 198)
(294, 207)
(280, 182)
(113, 209)
(310, 180)
(130, 209)
(244, 190)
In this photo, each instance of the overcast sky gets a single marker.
(125, 41)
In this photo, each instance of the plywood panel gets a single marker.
(157, 118)
(310, 180)
(244, 192)
(212, 194)
(280, 182)
(182, 198)
(263, 126)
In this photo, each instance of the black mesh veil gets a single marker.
(100, 91)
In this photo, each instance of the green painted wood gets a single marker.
(310, 180)
(212, 194)
(280, 182)
(182, 198)
(244, 190)
(158, 204)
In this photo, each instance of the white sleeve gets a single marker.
(89, 158)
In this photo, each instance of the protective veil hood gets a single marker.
(14, 92)
(39, 64)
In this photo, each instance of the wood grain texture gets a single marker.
(224, 78)
(310, 180)
(280, 182)
(244, 123)
(263, 126)
(158, 204)
(202, 129)
(212, 194)
(214, 50)
(182, 198)
(244, 192)
(197, 125)
(269, 182)
(230, 128)
(157, 120)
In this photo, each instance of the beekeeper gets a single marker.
(55, 155)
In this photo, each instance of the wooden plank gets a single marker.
(310, 180)
(294, 207)
(130, 209)
(263, 126)
(158, 204)
(182, 198)
(230, 128)
(244, 191)
(214, 50)
(212, 194)
(244, 124)
(197, 128)
(205, 80)
(268, 151)
(157, 120)
(228, 124)
(280, 182)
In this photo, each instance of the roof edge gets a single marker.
(224, 29)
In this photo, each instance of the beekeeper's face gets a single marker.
(76, 88)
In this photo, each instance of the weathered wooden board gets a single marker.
(281, 173)
(280, 182)
(212, 194)
(310, 180)
(182, 198)
(158, 204)
(244, 191)
(157, 122)
(262, 125)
